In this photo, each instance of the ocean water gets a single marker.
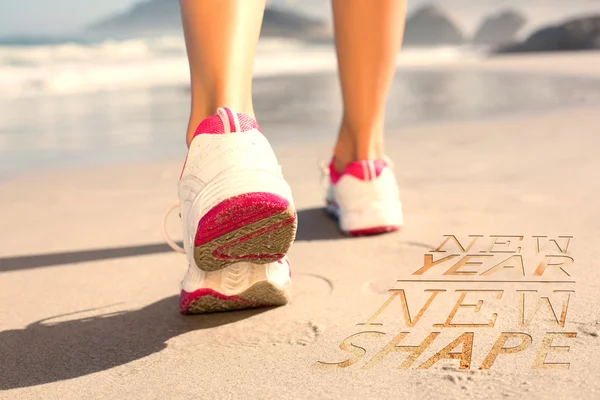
(68, 105)
(33, 68)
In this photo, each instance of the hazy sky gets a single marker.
(37, 17)
(53, 16)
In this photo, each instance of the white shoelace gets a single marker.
(165, 234)
(324, 168)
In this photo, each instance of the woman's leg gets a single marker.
(236, 209)
(368, 37)
(221, 38)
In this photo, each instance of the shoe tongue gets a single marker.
(226, 121)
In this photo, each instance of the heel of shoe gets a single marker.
(239, 286)
(257, 227)
(378, 218)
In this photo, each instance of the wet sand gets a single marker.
(126, 127)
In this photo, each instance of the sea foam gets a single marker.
(68, 68)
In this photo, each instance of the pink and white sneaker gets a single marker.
(238, 218)
(364, 198)
(239, 286)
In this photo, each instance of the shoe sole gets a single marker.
(261, 294)
(254, 227)
(240, 286)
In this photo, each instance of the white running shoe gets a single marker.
(238, 218)
(364, 198)
(238, 286)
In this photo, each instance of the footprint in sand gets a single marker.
(265, 327)
(308, 284)
(254, 332)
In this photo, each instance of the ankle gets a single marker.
(354, 146)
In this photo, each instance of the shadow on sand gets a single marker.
(46, 352)
(313, 224)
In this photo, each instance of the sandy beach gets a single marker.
(90, 290)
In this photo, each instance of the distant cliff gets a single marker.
(430, 26)
(157, 17)
(150, 17)
(499, 29)
(277, 22)
(576, 34)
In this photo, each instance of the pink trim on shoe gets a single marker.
(214, 124)
(220, 251)
(220, 228)
(187, 299)
(236, 212)
(288, 264)
(247, 123)
(365, 170)
(373, 231)
(211, 125)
